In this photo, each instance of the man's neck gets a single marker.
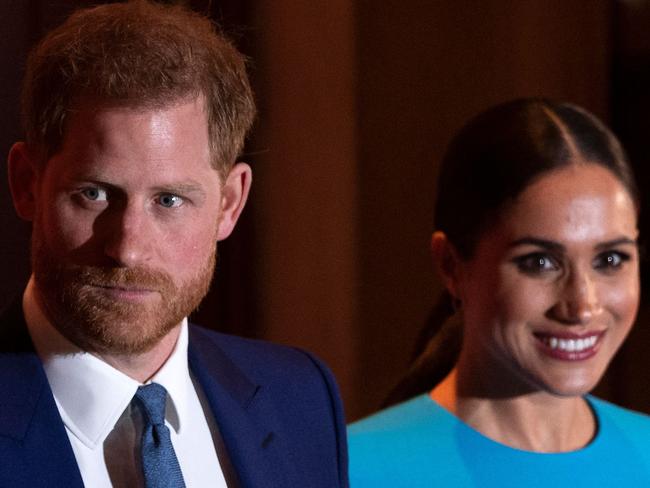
(142, 366)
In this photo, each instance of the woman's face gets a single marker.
(553, 288)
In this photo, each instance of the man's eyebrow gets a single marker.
(181, 187)
(536, 241)
(91, 180)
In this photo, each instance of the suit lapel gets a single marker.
(243, 412)
(32, 434)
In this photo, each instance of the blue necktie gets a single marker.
(159, 463)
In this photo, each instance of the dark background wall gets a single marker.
(357, 101)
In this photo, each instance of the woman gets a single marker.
(536, 244)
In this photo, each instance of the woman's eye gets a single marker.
(95, 194)
(610, 260)
(169, 200)
(537, 263)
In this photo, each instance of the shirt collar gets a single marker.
(90, 394)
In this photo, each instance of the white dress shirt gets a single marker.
(94, 401)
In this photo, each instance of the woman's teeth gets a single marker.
(571, 345)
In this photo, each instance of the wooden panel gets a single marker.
(306, 194)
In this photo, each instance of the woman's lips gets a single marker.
(569, 347)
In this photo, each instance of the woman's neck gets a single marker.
(534, 421)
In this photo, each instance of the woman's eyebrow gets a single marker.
(621, 241)
(535, 241)
(557, 247)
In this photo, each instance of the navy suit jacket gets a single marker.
(277, 408)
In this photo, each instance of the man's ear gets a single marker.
(234, 193)
(447, 262)
(23, 179)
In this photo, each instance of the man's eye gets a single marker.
(610, 260)
(169, 200)
(537, 263)
(95, 194)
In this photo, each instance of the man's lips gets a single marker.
(125, 291)
(569, 346)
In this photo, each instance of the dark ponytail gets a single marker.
(436, 351)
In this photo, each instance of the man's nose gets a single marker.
(578, 301)
(128, 237)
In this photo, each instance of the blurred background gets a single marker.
(357, 102)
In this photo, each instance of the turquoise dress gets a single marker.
(420, 444)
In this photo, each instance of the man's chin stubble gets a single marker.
(96, 322)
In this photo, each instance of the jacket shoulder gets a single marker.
(264, 361)
(300, 395)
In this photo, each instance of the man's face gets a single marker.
(126, 217)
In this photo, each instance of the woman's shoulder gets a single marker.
(401, 445)
(621, 440)
(625, 421)
(412, 415)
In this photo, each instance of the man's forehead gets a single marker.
(95, 103)
(100, 124)
(106, 138)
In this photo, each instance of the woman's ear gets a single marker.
(23, 178)
(447, 262)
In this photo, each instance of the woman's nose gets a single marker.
(578, 301)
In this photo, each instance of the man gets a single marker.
(134, 114)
